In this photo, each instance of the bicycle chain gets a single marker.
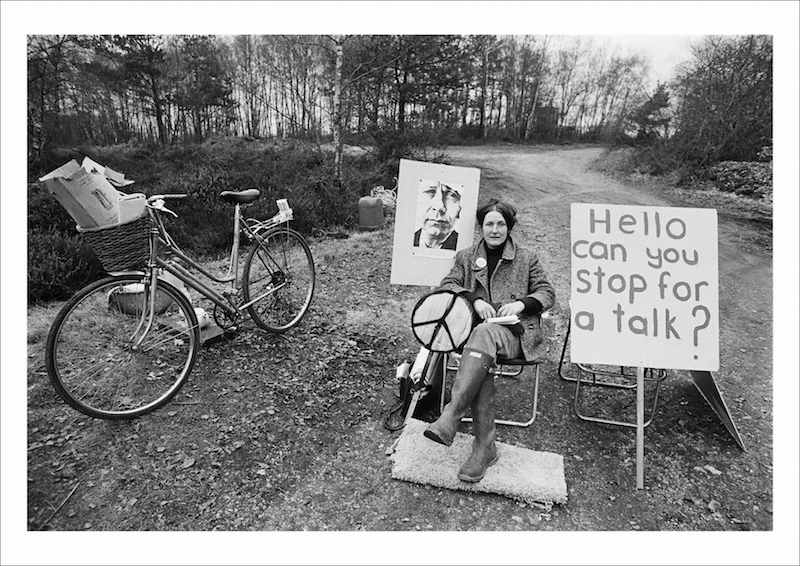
(225, 321)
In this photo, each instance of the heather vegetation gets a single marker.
(60, 262)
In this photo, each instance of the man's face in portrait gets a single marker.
(442, 208)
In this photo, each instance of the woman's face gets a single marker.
(495, 229)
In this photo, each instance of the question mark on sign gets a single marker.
(700, 327)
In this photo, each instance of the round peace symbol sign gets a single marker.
(442, 321)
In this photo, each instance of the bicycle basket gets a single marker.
(121, 246)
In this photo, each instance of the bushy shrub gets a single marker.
(45, 213)
(59, 262)
(58, 265)
(201, 228)
(419, 143)
(747, 178)
(765, 154)
(298, 171)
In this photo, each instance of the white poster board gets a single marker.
(436, 206)
(644, 287)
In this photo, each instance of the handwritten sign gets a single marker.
(644, 286)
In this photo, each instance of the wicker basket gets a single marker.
(122, 246)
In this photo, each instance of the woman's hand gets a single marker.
(484, 309)
(510, 309)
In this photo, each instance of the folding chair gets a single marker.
(442, 322)
(512, 369)
(619, 378)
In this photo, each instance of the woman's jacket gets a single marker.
(518, 274)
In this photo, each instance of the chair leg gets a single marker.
(534, 404)
(534, 401)
(582, 416)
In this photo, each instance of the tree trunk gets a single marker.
(401, 103)
(484, 88)
(159, 110)
(337, 111)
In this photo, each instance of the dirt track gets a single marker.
(544, 182)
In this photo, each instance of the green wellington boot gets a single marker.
(472, 372)
(484, 451)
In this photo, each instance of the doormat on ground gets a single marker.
(520, 474)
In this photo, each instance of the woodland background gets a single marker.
(201, 114)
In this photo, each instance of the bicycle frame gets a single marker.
(226, 300)
(143, 323)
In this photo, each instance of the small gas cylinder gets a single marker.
(370, 213)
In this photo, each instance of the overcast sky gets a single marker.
(664, 51)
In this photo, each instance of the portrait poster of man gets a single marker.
(438, 214)
(436, 207)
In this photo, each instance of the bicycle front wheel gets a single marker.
(278, 280)
(106, 359)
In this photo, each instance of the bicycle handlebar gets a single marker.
(156, 202)
(167, 197)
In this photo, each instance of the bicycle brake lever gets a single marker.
(158, 204)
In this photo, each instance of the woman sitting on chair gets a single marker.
(499, 278)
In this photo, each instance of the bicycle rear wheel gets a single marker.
(279, 279)
(99, 362)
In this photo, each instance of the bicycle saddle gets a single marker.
(241, 197)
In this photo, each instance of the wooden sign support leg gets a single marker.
(640, 428)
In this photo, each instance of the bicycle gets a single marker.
(124, 346)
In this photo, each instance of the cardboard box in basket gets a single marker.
(131, 206)
(88, 197)
(114, 177)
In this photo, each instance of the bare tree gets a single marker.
(725, 100)
(103, 89)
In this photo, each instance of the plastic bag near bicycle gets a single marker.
(420, 391)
